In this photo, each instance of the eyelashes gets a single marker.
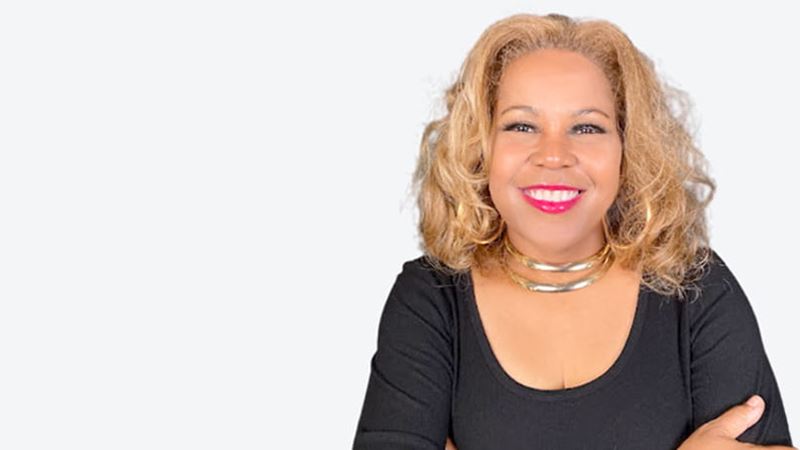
(582, 128)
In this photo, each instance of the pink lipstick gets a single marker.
(566, 198)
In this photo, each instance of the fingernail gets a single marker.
(755, 401)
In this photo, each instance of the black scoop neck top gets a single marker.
(684, 363)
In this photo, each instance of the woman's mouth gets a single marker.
(552, 201)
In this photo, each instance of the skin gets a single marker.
(556, 145)
(555, 123)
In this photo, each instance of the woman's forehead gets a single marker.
(554, 78)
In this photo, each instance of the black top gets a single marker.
(434, 374)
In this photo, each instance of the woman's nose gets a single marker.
(553, 152)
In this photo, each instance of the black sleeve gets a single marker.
(728, 360)
(407, 402)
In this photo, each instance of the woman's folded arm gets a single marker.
(729, 362)
(407, 401)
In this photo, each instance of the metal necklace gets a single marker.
(601, 261)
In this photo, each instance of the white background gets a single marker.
(203, 205)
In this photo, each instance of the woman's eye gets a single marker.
(586, 128)
(518, 126)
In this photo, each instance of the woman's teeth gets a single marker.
(551, 195)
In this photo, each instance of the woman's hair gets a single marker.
(657, 222)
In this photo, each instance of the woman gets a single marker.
(568, 296)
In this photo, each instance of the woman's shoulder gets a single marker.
(720, 295)
(427, 287)
(716, 278)
(428, 272)
(711, 290)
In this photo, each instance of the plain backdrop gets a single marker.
(203, 205)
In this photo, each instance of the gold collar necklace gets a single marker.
(600, 261)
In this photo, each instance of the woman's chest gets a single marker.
(555, 343)
(549, 353)
(641, 401)
(641, 404)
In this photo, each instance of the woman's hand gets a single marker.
(721, 433)
(449, 445)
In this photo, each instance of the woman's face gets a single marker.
(554, 125)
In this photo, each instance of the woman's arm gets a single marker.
(407, 403)
(728, 360)
(721, 433)
(718, 434)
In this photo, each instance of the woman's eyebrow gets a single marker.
(535, 111)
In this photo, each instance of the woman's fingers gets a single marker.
(449, 445)
(737, 419)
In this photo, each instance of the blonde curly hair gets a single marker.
(657, 222)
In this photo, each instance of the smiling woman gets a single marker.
(562, 218)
